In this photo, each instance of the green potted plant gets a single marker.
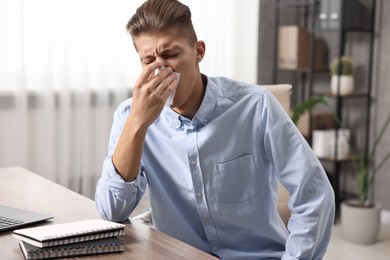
(360, 217)
(342, 81)
(307, 106)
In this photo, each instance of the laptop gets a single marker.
(12, 218)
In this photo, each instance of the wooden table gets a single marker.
(21, 188)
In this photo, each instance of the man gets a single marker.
(213, 158)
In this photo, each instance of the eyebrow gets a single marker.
(165, 50)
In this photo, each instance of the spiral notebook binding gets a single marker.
(102, 246)
(78, 233)
(71, 239)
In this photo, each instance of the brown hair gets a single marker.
(159, 15)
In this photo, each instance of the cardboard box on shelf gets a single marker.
(294, 49)
(320, 121)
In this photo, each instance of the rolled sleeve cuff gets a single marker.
(116, 198)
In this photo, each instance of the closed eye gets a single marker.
(169, 56)
(148, 60)
(165, 55)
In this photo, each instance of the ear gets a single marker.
(200, 50)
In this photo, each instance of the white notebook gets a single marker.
(68, 233)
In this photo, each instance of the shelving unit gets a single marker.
(306, 74)
(312, 20)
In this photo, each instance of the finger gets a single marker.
(168, 86)
(167, 81)
(160, 81)
(161, 73)
(148, 72)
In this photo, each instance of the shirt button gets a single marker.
(215, 248)
(177, 123)
(193, 162)
(199, 194)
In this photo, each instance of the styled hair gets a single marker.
(159, 15)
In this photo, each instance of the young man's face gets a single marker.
(173, 51)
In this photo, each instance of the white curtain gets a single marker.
(65, 65)
(230, 31)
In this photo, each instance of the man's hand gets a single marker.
(150, 94)
(149, 97)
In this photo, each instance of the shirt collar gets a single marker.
(205, 110)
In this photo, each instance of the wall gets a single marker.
(381, 79)
(380, 109)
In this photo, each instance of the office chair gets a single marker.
(282, 92)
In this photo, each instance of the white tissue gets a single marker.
(172, 96)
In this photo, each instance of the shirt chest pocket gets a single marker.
(237, 180)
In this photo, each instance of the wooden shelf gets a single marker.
(352, 95)
(350, 158)
(297, 3)
(306, 70)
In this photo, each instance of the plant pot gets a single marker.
(360, 224)
(346, 83)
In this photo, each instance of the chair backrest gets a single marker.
(282, 93)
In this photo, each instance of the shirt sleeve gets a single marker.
(115, 198)
(311, 196)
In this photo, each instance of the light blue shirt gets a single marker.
(213, 180)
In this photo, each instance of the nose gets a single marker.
(162, 61)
